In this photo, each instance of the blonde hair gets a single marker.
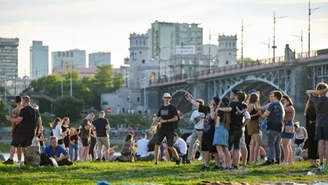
(297, 124)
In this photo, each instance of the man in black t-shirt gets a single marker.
(102, 125)
(238, 110)
(27, 120)
(166, 118)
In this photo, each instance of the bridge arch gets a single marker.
(252, 78)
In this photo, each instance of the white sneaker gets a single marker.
(242, 168)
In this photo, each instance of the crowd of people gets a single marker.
(227, 130)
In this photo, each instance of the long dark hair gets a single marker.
(226, 117)
(309, 103)
(128, 137)
(56, 123)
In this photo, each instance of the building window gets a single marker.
(144, 42)
(233, 44)
(227, 62)
(229, 53)
(140, 42)
(140, 52)
(136, 42)
(59, 54)
(229, 44)
(226, 44)
(138, 99)
(63, 54)
(143, 61)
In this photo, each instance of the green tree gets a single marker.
(68, 106)
(118, 80)
(104, 75)
(247, 61)
(3, 111)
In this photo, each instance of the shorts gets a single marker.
(242, 144)
(164, 133)
(234, 139)
(21, 141)
(85, 142)
(253, 127)
(103, 141)
(298, 141)
(321, 133)
(60, 142)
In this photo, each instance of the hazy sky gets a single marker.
(104, 25)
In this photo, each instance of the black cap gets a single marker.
(235, 91)
(225, 101)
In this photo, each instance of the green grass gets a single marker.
(147, 172)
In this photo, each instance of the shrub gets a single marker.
(68, 106)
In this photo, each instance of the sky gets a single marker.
(105, 25)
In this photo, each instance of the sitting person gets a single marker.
(55, 153)
(127, 151)
(142, 145)
(298, 154)
(180, 145)
(111, 152)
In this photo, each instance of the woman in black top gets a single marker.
(312, 144)
(65, 128)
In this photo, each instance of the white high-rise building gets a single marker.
(167, 38)
(39, 60)
(8, 58)
(74, 58)
(227, 51)
(100, 58)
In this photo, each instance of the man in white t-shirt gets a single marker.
(196, 118)
(142, 145)
(180, 145)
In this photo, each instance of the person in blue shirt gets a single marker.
(57, 152)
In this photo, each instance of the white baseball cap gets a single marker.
(167, 95)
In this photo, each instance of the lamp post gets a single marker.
(309, 37)
(129, 110)
(5, 87)
(301, 39)
(274, 35)
(242, 40)
(267, 44)
(145, 95)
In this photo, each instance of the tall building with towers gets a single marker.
(39, 60)
(227, 50)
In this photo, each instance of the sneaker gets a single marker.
(267, 163)
(321, 169)
(98, 159)
(205, 168)
(242, 168)
(277, 161)
(234, 167)
(216, 167)
(188, 161)
(156, 163)
(178, 161)
(9, 161)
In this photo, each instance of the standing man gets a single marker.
(85, 135)
(27, 120)
(275, 118)
(166, 118)
(196, 118)
(102, 125)
(14, 126)
(320, 102)
(238, 110)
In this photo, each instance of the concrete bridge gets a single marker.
(291, 74)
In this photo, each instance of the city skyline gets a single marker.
(105, 26)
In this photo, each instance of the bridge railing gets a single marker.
(306, 54)
(169, 79)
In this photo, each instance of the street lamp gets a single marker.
(129, 110)
(267, 44)
(309, 37)
(274, 35)
(145, 96)
(242, 40)
(301, 38)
